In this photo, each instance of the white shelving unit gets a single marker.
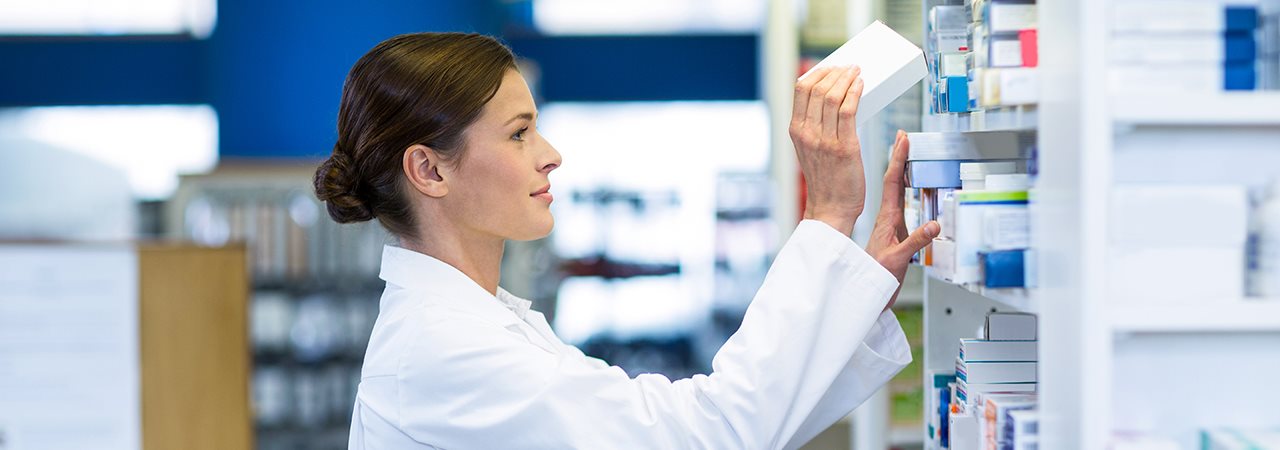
(1228, 316)
(1222, 109)
(1107, 366)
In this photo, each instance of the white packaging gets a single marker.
(890, 64)
(1004, 51)
(1009, 86)
(947, 218)
(1165, 78)
(1168, 15)
(1169, 215)
(964, 431)
(1010, 326)
(955, 64)
(973, 175)
(944, 259)
(1195, 47)
(1006, 229)
(1195, 256)
(1026, 429)
(1010, 17)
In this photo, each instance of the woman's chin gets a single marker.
(538, 230)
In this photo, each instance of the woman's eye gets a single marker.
(519, 136)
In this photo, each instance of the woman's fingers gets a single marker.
(918, 240)
(848, 110)
(891, 200)
(800, 100)
(813, 116)
(832, 119)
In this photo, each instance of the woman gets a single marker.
(437, 139)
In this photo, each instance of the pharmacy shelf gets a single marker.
(1240, 315)
(1018, 299)
(996, 119)
(1245, 108)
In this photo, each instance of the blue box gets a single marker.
(1004, 269)
(957, 94)
(1239, 76)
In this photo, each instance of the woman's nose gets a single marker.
(553, 160)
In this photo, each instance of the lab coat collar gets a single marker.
(445, 284)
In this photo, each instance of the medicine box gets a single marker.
(890, 64)
(1010, 326)
(965, 391)
(1173, 79)
(1192, 47)
(982, 350)
(1181, 15)
(996, 372)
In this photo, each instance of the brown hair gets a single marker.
(421, 88)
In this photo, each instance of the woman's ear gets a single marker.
(422, 169)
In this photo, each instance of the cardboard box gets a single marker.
(982, 350)
(890, 65)
(996, 372)
(1010, 326)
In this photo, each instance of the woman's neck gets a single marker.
(476, 256)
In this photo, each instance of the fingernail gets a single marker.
(932, 228)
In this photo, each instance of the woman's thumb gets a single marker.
(920, 238)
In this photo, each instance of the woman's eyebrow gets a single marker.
(525, 116)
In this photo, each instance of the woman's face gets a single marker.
(500, 185)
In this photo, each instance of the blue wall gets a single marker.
(273, 70)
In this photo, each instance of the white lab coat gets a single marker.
(451, 367)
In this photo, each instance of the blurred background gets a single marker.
(150, 124)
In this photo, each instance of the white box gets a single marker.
(1169, 215)
(1010, 17)
(1006, 229)
(944, 259)
(1169, 15)
(1177, 243)
(964, 431)
(971, 392)
(1194, 47)
(1166, 79)
(1009, 86)
(996, 372)
(981, 350)
(1010, 326)
(890, 65)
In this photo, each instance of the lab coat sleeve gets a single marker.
(459, 388)
(882, 355)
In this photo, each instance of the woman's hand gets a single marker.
(825, 135)
(890, 244)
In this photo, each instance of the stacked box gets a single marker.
(1179, 46)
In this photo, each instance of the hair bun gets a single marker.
(335, 185)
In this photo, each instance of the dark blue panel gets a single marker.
(641, 68)
(275, 69)
(78, 71)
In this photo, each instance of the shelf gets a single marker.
(1252, 108)
(1248, 315)
(996, 119)
(1018, 299)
